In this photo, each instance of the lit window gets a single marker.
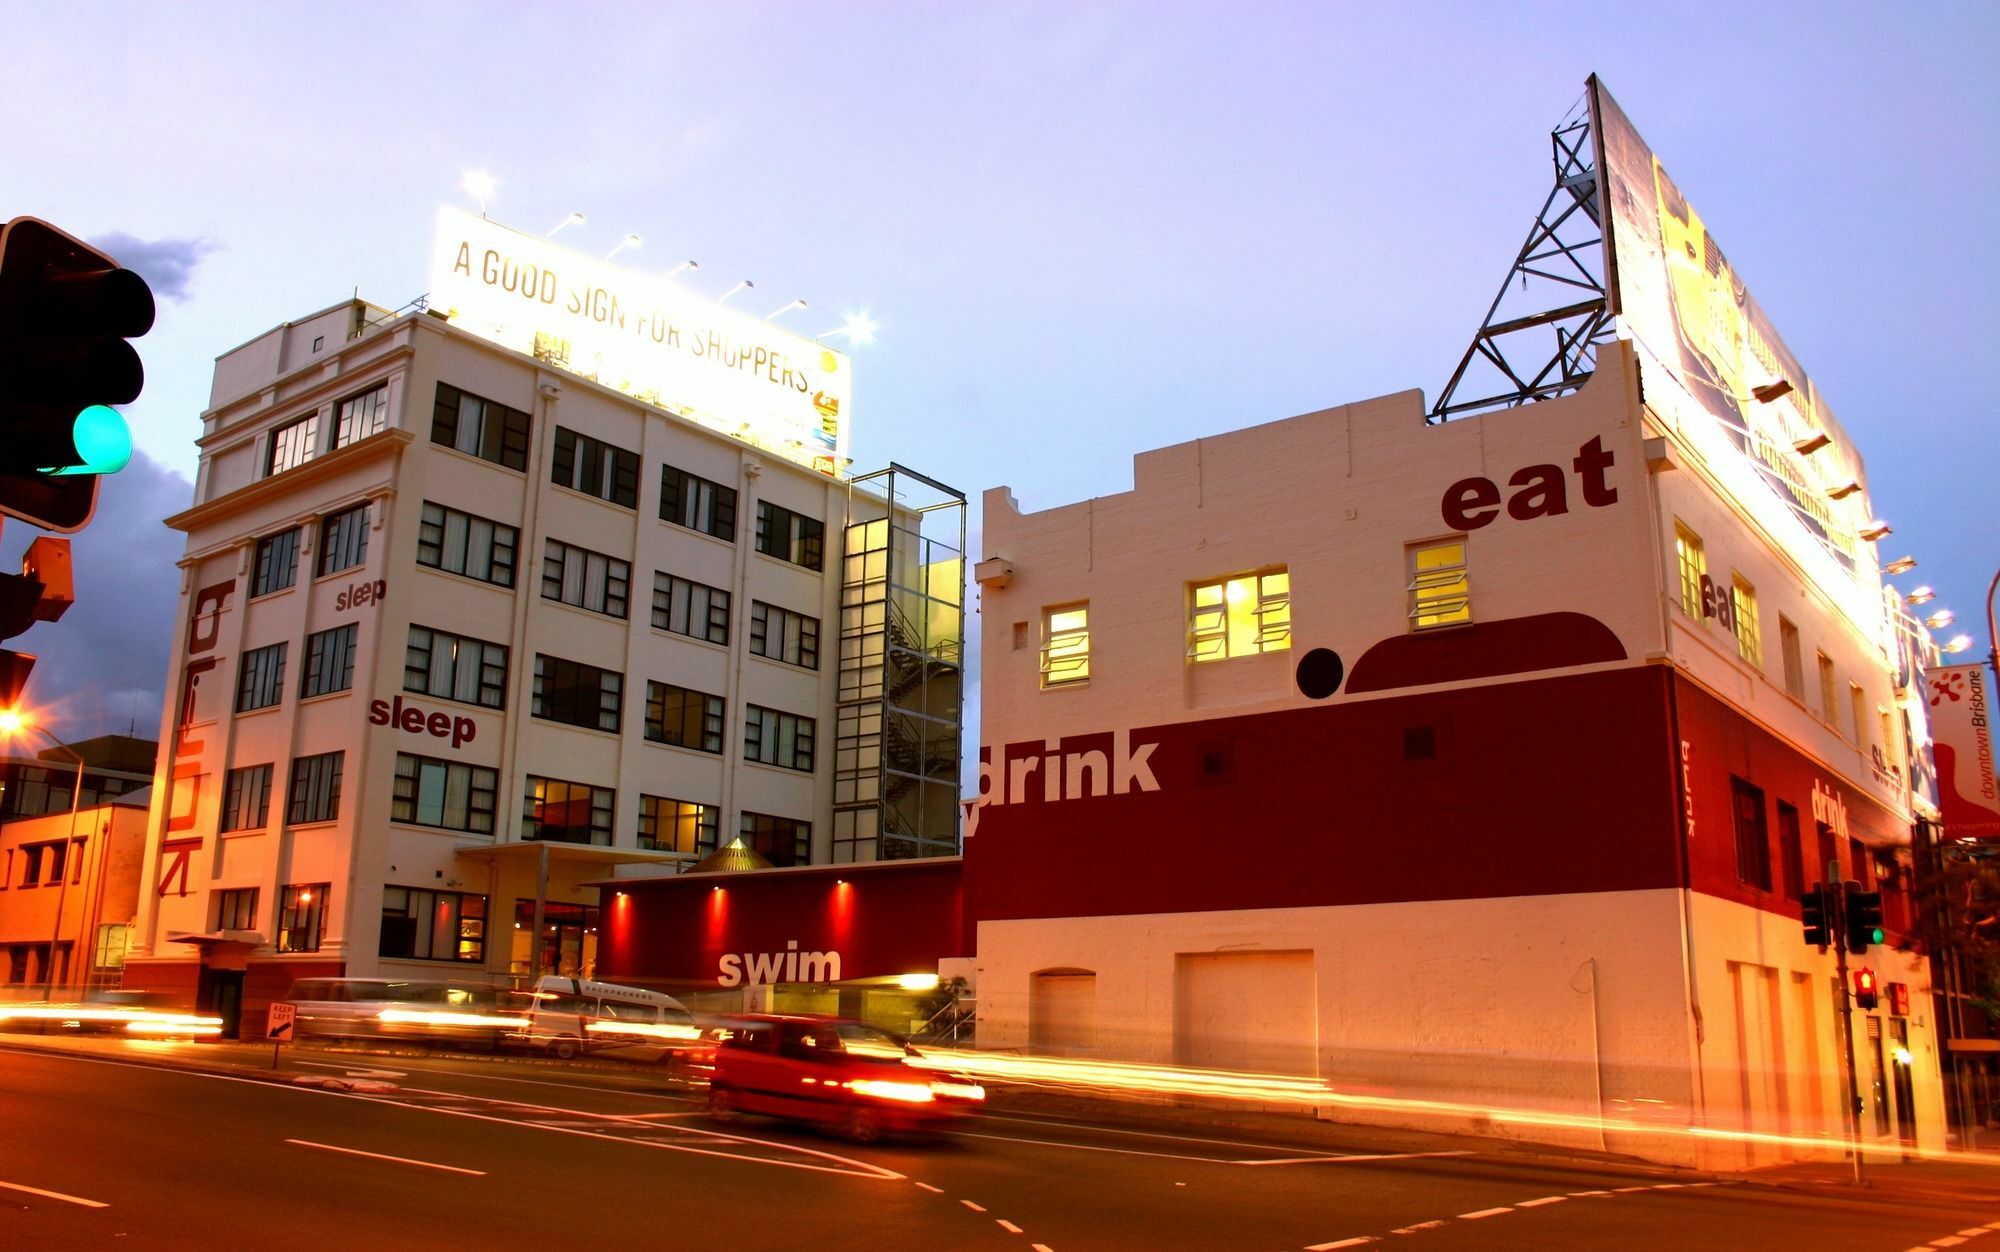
(1241, 616)
(1743, 611)
(1693, 567)
(1440, 586)
(1065, 645)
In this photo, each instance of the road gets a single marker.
(111, 1147)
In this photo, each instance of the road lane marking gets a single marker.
(56, 1195)
(1974, 1233)
(1584, 1193)
(1547, 1199)
(1411, 1230)
(974, 1207)
(1092, 1147)
(1355, 1242)
(1008, 1226)
(1041, 1247)
(353, 1072)
(400, 1160)
(1473, 1217)
(933, 1190)
(1623, 1190)
(1341, 1160)
(1949, 1241)
(1140, 1134)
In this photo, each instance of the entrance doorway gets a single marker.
(569, 938)
(219, 993)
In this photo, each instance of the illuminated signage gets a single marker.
(730, 371)
(1732, 389)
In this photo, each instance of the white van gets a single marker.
(572, 1015)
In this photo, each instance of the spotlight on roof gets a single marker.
(1812, 443)
(774, 314)
(1901, 565)
(1874, 530)
(574, 219)
(629, 241)
(1772, 390)
(745, 285)
(1959, 643)
(1940, 619)
(1922, 595)
(684, 265)
(480, 186)
(859, 329)
(1843, 491)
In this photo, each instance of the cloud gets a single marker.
(167, 265)
(102, 669)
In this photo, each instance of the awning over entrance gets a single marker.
(219, 939)
(526, 852)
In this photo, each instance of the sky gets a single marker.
(1085, 230)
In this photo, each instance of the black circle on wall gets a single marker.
(1319, 673)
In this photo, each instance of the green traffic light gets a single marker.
(1877, 935)
(103, 441)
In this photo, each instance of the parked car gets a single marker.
(572, 1015)
(844, 1075)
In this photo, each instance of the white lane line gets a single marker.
(56, 1195)
(1138, 1134)
(1041, 1247)
(1949, 1241)
(1092, 1147)
(1668, 1186)
(1574, 1194)
(1974, 1233)
(1411, 1230)
(1008, 1226)
(1341, 1243)
(400, 1160)
(977, 1208)
(1473, 1217)
(1623, 1190)
(1993, 1225)
(1547, 1199)
(933, 1190)
(1342, 1160)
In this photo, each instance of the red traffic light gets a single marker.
(1864, 988)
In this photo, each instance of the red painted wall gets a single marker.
(1554, 785)
(888, 919)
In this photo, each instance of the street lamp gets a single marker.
(13, 723)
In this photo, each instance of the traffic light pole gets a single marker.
(1836, 920)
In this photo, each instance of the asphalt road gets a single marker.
(119, 1146)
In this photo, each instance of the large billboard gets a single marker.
(1731, 386)
(731, 371)
(1961, 708)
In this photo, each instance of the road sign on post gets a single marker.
(278, 1027)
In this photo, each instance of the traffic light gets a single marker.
(41, 592)
(66, 310)
(1864, 989)
(1864, 917)
(1812, 911)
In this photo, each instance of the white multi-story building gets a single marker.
(461, 629)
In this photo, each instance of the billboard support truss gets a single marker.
(1510, 361)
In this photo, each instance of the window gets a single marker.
(1795, 667)
(433, 925)
(1241, 616)
(775, 738)
(690, 608)
(1888, 758)
(784, 635)
(1065, 645)
(460, 543)
(781, 840)
(315, 793)
(567, 812)
(489, 431)
(1829, 692)
(686, 719)
(236, 909)
(595, 468)
(1753, 844)
(676, 825)
(1743, 612)
(1828, 850)
(293, 444)
(1440, 585)
(246, 798)
(1693, 563)
(260, 680)
(697, 503)
(361, 416)
(277, 563)
(343, 540)
(1791, 850)
(589, 580)
(301, 917)
(455, 667)
(577, 694)
(330, 660)
(789, 536)
(1857, 704)
(445, 794)
(43, 863)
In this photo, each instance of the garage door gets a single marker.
(1062, 1012)
(1246, 1010)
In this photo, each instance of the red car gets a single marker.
(846, 1075)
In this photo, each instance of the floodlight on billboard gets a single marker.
(1737, 393)
(730, 371)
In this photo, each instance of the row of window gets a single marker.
(42, 864)
(1735, 608)
(1250, 614)
(301, 914)
(355, 418)
(1750, 815)
(452, 795)
(343, 544)
(493, 432)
